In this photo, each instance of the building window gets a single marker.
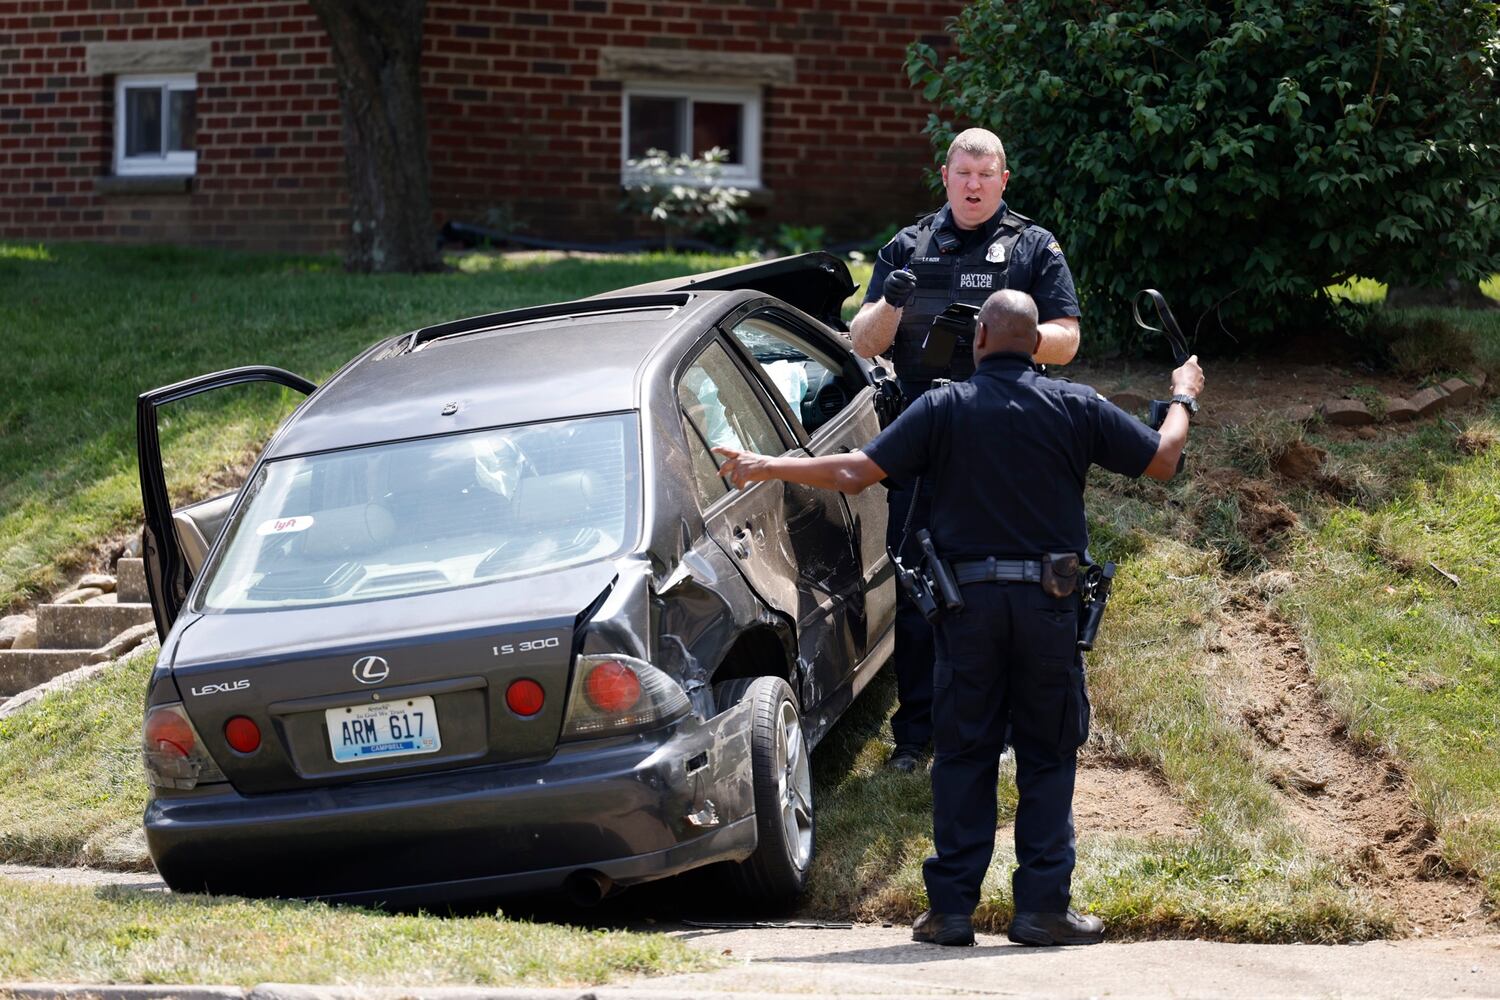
(156, 124)
(694, 120)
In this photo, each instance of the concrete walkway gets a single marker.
(877, 960)
(96, 877)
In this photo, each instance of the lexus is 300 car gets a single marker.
(484, 618)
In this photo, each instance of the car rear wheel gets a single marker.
(782, 774)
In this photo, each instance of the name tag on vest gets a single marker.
(982, 279)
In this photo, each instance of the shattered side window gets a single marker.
(723, 408)
(709, 484)
(811, 381)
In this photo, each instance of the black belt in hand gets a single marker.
(999, 571)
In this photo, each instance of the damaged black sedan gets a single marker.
(484, 618)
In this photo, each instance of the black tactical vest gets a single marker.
(945, 278)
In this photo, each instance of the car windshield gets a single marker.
(432, 514)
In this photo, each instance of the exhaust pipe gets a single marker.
(586, 887)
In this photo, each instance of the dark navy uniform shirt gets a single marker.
(1006, 455)
(1037, 265)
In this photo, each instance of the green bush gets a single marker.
(1240, 156)
(683, 193)
(800, 239)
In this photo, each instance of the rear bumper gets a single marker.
(619, 808)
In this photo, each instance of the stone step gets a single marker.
(85, 626)
(21, 669)
(130, 581)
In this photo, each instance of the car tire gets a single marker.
(785, 821)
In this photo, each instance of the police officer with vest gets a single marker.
(1007, 454)
(973, 246)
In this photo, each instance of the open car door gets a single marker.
(175, 543)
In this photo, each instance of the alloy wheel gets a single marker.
(794, 784)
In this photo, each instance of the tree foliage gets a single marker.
(1240, 156)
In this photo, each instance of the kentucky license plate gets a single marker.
(383, 729)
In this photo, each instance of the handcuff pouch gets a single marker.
(1059, 573)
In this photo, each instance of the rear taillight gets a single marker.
(170, 732)
(242, 734)
(612, 687)
(525, 697)
(619, 694)
(175, 756)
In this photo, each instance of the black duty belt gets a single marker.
(999, 571)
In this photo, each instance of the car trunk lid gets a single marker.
(817, 283)
(386, 687)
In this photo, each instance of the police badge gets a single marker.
(996, 253)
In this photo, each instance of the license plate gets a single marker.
(383, 729)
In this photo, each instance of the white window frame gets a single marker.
(167, 163)
(745, 174)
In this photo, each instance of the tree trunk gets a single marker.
(1451, 294)
(377, 52)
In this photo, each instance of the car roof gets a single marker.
(524, 366)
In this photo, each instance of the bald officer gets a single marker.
(1007, 454)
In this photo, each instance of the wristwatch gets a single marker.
(1188, 401)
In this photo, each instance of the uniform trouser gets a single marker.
(912, 724)
(1011, 655)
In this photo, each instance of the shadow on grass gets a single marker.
(843, 757)
(865, 720)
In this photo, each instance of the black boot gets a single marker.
(1055, 928)
(905, 760)
(952, 929)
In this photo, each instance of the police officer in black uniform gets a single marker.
(1007, 454)
(973, 246)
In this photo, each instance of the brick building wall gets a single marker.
(270, 163)
(525, 102)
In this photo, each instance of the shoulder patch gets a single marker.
(899, 248)
(1056, 248)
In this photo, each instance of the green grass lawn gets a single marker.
(1409, 659)
(69, 934)
(1244, 873)
(98, 325)
(1370, 290)
(71, 774)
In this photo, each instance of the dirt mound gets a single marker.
(1354, 805)
(1299, 461)
(1263, 514)
(1240, 391)
(1263, 517)
(1116, 799)
(1475, 441)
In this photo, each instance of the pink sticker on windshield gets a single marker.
(283, 525)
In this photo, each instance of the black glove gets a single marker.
(898, 287)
